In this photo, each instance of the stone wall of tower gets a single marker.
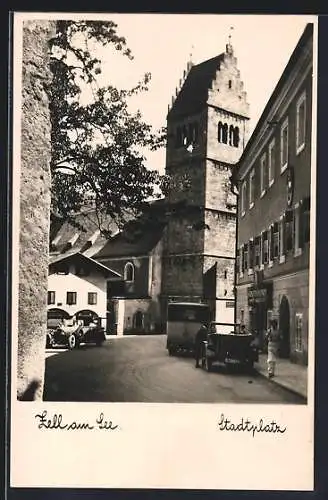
(187, 180)
(218, 194)
(183, 276)
(220, 236)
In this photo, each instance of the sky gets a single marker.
(162, 43)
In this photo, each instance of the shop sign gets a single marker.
(257, 295)
(230, 303)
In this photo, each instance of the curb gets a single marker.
(286, 387)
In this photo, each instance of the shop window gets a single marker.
(51, 297)
(242, 316)
(298, 332)
(284, 146)
(300, 123)
(264, 174)
(251, 188)
(92, 298)
(129, 272)
(71, 298)
(271, 162)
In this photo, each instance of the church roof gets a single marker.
(194, 93)
(132, 241)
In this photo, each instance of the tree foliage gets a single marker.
(101, 139)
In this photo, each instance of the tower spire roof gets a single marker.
(229, 48)
(190, 62)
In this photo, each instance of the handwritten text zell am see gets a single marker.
(57, 422)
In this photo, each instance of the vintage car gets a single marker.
(229, 344)
(71, 333)
(183, 322)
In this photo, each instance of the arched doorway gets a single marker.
(139, 320)
(284, 326)
(54, 317)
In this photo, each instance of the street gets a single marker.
(139, 369)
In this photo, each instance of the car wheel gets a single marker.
(72, 341)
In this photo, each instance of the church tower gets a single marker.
(207, 130)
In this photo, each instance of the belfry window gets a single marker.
(231, 135)
(236, 137)
(224, 131)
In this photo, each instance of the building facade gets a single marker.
(116, 280)
(207, 127)
(189, 255)
(273, 178)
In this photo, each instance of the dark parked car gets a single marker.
(229, 344)
(72, 333)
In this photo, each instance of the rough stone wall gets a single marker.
(183, 275)
(220, 238)
(34, 210)
(218, 188)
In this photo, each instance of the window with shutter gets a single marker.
(251, 255)
(300, 123)
(245, 257)
(297, 218)
(265, 245)
(257, 251)
(275, 239)
(289, 230)
(305, 221)
(271, 245)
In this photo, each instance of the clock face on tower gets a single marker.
(290, 185)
